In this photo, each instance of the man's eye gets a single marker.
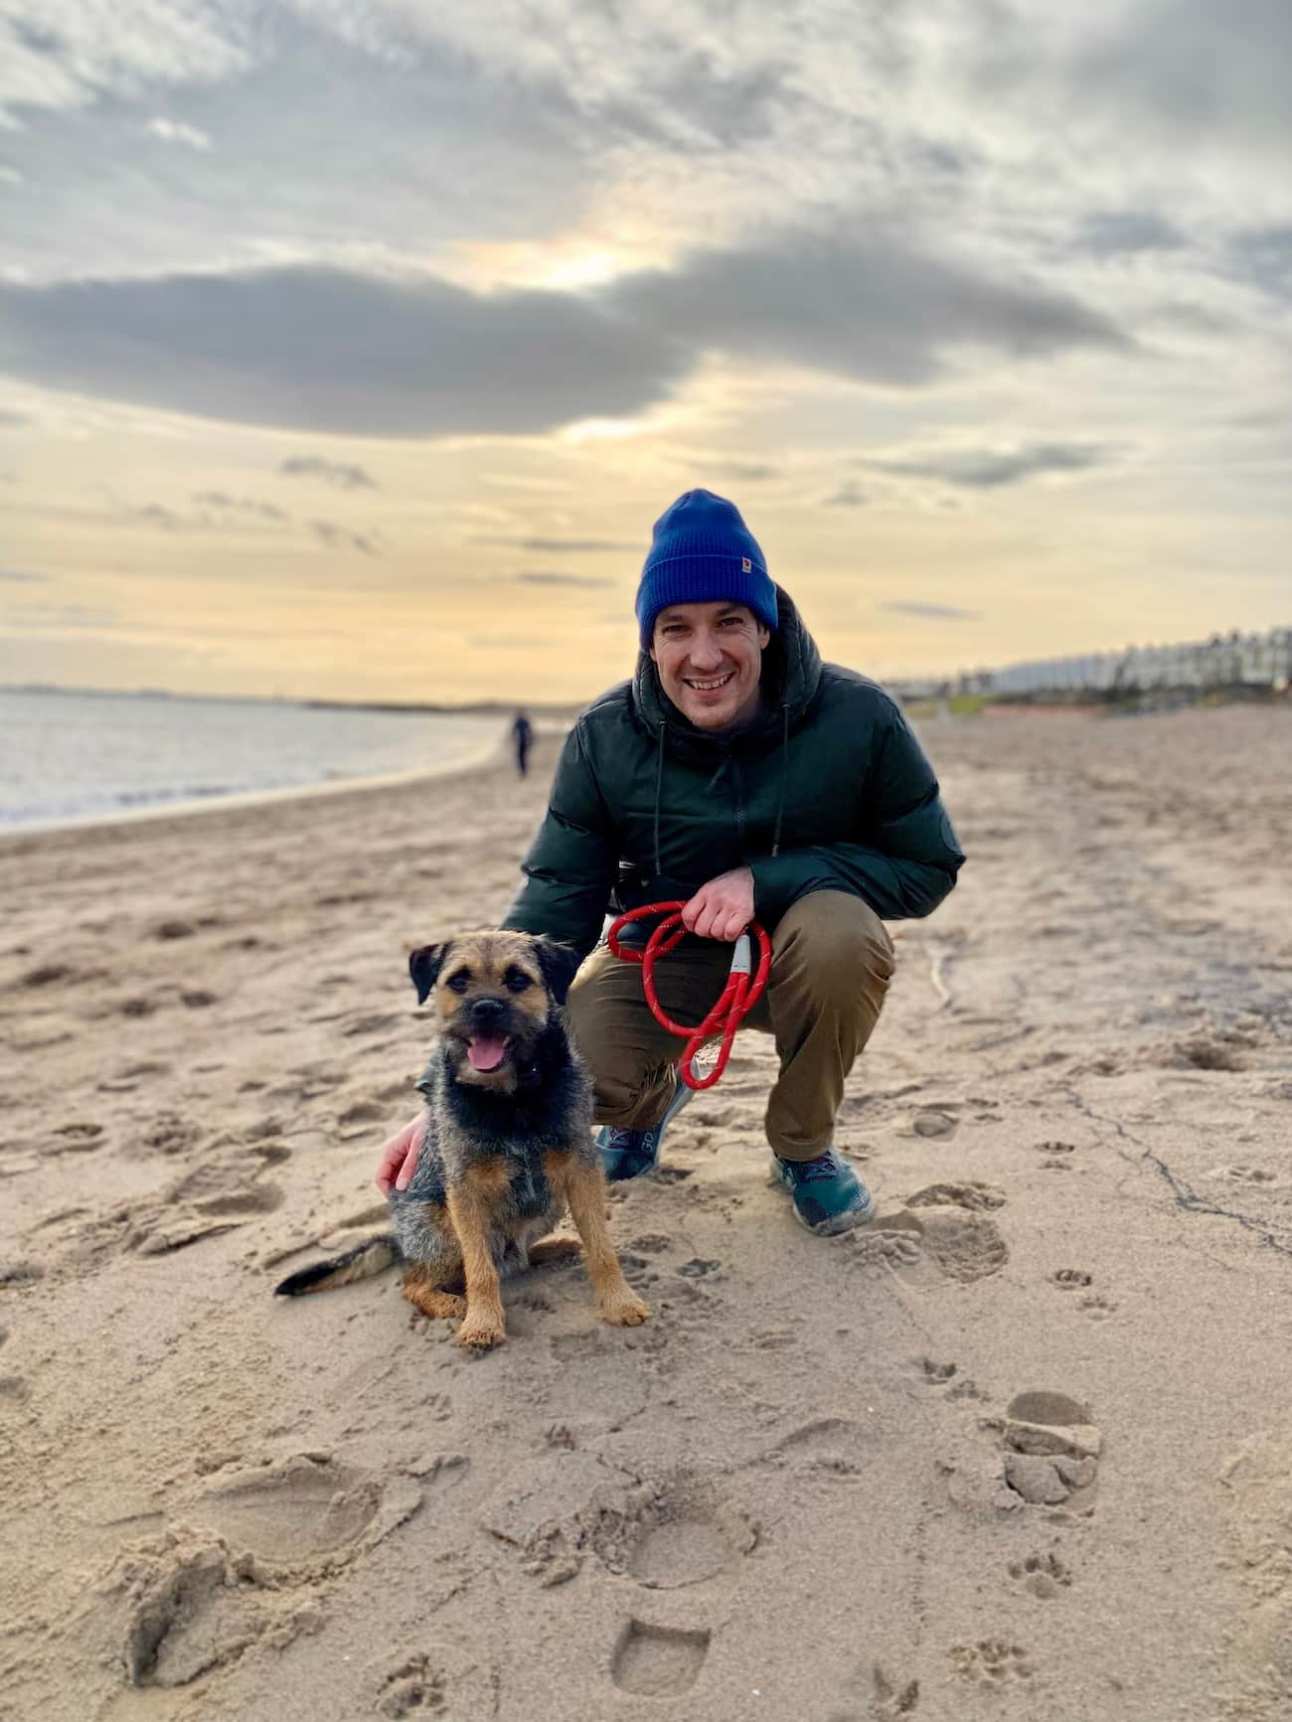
(459, 982)
(516, 981)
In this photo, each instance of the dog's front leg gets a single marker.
(483, 1326)
(585, 1191)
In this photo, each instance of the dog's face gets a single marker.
(495, 993)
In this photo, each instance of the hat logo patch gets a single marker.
(746, 566)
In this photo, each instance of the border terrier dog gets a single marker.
(507, 1145)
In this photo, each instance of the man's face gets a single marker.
(709, 658)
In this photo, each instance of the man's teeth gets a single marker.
(706, 687)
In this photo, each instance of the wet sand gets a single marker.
(1023, 1449)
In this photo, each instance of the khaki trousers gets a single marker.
(832, 960)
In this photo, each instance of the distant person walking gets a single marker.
(522, 735)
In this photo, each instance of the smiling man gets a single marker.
(738, 772)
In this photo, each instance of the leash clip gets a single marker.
(742, 961)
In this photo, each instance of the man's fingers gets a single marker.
(409, 1166)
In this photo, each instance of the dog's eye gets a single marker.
(459, 982)
(516, 981)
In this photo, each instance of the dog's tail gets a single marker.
(371, 1257)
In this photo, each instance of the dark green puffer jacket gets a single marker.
(827, 791)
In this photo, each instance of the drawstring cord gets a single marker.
(659, 791)
(785, 772)
(738, 997)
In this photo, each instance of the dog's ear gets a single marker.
(559, 965)
(424, 968)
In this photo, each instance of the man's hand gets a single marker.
(399, 1157)
(723, 908)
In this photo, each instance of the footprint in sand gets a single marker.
(1042, 1575)
(1204, 1053)
(893, 1697)
(834, 1447)
(77, 1138)
(1052, 1449)
(963, 1243)
(306, 1513)
(1070, 1279)
(671, 1533)
(179, 1608)
(416, 1685)
(972, 1195)
(991, 1662)
(658, 1661)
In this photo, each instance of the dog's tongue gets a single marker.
(486, 1051)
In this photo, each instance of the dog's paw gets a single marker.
(625, 1311)
(479, 1335)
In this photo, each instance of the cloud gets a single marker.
(337, 351)
(1264, 255)
(250, 505)
(10, 175)
(82, 61)
(745, 472)
(1198, 68)
(157, 514)
(849, 495)
(12, 420)
(341, 538)
(986, 469)
(933, 612)
(175, 131)
(340, 473)
(417, 356)
(559, 546)
(880, 308)
(1112, 233)
(550, 577)
(21, 577)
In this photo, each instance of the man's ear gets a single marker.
(424, 968)
(559, 965)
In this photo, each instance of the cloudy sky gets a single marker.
(351, 347)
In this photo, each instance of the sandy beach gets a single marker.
(1021, 1450)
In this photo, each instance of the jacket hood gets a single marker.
(790, 680)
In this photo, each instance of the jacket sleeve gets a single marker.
(573, 860)
(907, 856)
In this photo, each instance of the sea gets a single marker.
(70, 758)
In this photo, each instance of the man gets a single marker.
(522, 736)
(737, 772)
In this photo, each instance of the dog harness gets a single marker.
(741, 993)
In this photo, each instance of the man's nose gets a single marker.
(706, 652)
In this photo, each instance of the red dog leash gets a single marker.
(741, 993)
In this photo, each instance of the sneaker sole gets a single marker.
(837, 1224)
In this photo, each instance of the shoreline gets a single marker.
(240, 800)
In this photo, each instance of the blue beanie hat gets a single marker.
(702, 553)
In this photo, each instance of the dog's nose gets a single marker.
(487, 1013)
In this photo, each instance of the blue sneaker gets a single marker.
(828, 1195)
(629, 1153)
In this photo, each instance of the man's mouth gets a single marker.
(487, 1051)
(710, 684)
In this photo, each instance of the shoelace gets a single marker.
(741, 993)
(805, 1171)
